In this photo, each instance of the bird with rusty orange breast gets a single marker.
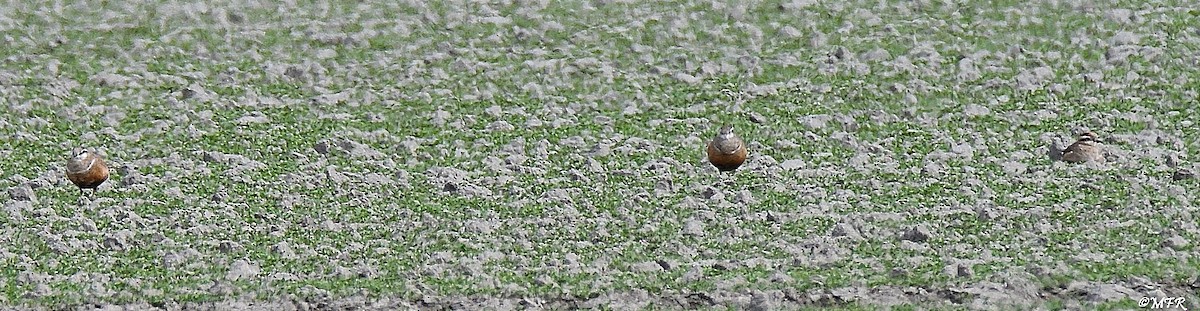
(86, 169)
(727, 151)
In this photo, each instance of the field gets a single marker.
(372, 154)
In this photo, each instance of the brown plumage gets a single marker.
(726, 151)
(86, 170)
(1084, 150)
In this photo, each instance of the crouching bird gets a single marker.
(726, 151)
(86, 170)
(1086, 149)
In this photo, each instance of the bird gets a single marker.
(1086, 149)
(86, 170)
(726, 151)
(1183, 174)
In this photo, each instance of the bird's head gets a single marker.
(80, 153)
(726, 131)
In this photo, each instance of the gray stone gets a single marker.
(22, 193)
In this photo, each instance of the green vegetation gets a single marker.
(352, 148)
